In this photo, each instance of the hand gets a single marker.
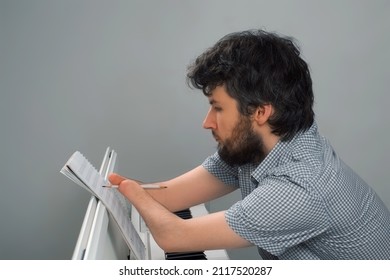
(124, 184)
(116, 179)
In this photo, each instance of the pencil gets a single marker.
(145, 186)
(152, 186)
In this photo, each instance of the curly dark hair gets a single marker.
(259, 68)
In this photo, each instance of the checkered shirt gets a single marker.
(303, 202)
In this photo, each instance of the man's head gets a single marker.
(258, 69)
(239, 137)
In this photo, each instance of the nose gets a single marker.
(209, 121)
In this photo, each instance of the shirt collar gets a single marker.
(278, 153)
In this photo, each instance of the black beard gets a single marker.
(243, 147)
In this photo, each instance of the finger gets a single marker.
(126, 187)
(116, 179)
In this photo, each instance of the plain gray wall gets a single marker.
(84, 75)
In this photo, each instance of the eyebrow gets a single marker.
(212, 101)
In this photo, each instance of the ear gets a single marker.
(262, 114)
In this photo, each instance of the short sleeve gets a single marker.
(224, 172)
(277, 215)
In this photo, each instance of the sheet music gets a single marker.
(83, 173)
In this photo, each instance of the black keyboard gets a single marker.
(185, 214)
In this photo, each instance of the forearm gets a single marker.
(192, 188)
(162, 223)
(174, 234)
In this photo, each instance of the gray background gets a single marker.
(84, 75)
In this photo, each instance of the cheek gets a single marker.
(225, 128)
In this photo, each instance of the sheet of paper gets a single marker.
(83, 173)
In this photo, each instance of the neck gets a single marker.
(270, 142)
(269, 139)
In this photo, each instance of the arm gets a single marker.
(192, 188)
(175, 234)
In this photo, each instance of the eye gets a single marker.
(217, 108)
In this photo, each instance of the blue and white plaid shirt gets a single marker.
(303, 202)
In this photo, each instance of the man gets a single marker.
(299, 200)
